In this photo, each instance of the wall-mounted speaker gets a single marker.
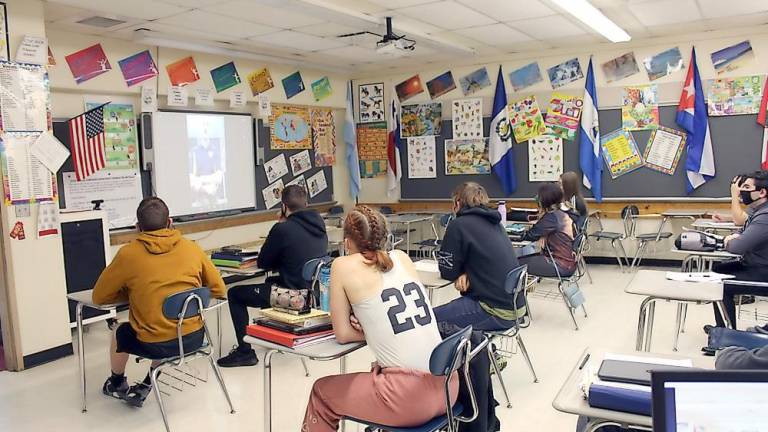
(147, 151)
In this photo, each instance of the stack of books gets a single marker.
(292, 330)
(234, 258)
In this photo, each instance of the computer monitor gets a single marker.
(710, 401)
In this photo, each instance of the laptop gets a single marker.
(630, 372)
(712, 401)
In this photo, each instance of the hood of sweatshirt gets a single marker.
(310, 220)
(491, 215)
(159, 241)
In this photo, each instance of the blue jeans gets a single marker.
(465, 311)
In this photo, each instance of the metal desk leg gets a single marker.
(678, 325)
(649, 325)
(641, 324)
(408, 238)
(343, 370)
(268, 390)
(218, 330)
(81, 352)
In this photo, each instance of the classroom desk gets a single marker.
(407, 220)
(429, 275)
(709, 225)
(323, 351)
(525, 248)
(690, 214)
(570, 398)
(702, 260)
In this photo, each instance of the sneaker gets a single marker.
(137, 394)
(708, 328)
(237, 358)
(118, 392)
(758, 329)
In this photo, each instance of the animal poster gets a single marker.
(664, 63)
(182, 72)
(88, 63)
(275, 168)
(323, 136)
(293, 85)
(620, 152)
(474, 81)
(467, 115)
(260, 81)
(421, 119)
(370, 102)
(620, 67)
(545, 158)
(662, 153)
(273, 194)
(317, 184)
(300, 163)
(422, 160)
(321, 89)
(526, 76)
(372, 149)
(121, 147)
(565, 73)
(640, 107)
(441, 85)
(289, 127)
(467, 156)
(563, 115)
(733, 57)
(735, 96)
(137, 68)
(409, 88)
(225, 77)
(526, 119)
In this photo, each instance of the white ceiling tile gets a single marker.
(142, 9)
(499, 35)
(354, 53)
(679, 28)
(507, 10)
(56, 12)
(328, 29)
(403, 24)
(263, 14)
(194, 3)
(722, 8)
(397, 4)
(218, 24)
(654, 13)
(548, 27)
(725, 23)
(299, 41)
(448, 15)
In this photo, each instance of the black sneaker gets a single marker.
(237, 358)
(708, 328)
(137, 394)
(117, 392)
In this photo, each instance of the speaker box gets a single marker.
(147, 151)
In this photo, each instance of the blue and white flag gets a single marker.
(500, 140)
(692, 116)
(590, 160)
(350, 138)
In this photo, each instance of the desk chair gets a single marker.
(399, 234)
(583, 227)
(429, 247)
(514, 285)
(183, 306)
(451, 355)
(572, 279)
(616, 237)
(644, 239)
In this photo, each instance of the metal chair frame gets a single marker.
(578, 244)
(619, 251)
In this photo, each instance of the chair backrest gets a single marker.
(183, 304)
(335, 210)
(628, 214)
(312, 268)
(446, 219)
(448, 356)
(514, 285)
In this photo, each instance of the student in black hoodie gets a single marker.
(298, 237)
(476, 255)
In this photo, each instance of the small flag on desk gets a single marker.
(86, 136)
(761, 119)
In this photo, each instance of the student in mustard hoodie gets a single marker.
(158, 263)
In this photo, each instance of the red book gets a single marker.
(284, 338)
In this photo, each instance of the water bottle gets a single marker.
(325, 288)
(503, 213)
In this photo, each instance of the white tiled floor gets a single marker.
(47, 397)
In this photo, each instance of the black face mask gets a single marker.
(746, 197)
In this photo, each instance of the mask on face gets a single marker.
(746, 197)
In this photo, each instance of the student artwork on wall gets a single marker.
(321, 89)
(370, 101)
(300, 163)
(275, 168)
(138, 67)
(88, 63)
(323, 136)
(663, 64)
(421, 119)
(300, 181)
(51, 58)
(273, 193)
(441, 85)
(620, 152)
(260, 81)
(474, 81)
(662, 153)
(422, 160)
(316, 184)
(289, 127)
(620, 67)
(5, 50)
(409, 88)
(545, 158)
(225, 77)
(526, 76)
(640, 107)
(565, 73)
(733, 57)
(467, 156)
(182, 72)
(121, 147)
(735, 96)
(293, 85)
(563, 115)
(467, 115)
(372, 149)
(526, 119)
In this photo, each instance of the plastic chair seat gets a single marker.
(429, 242)
(176, 358)
(652, 236)
(399, 232)
(606, 235)
(435, 424)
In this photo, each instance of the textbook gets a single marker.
(287, 339)
(293, 329)
(312, 318)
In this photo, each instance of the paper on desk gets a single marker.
(698, 276)
(650, 360)
(427, 266)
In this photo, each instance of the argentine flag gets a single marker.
(590, 160)
(499, 141)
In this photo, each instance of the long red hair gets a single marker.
(367, 228)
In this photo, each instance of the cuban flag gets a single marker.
(590, 160)
(692, 116)
(499, 141)
(394, 145)
(350, 138)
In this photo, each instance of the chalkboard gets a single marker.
(736, 141)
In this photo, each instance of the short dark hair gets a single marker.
(760, 178)
(470, 194)
(550, 195)
(152, 214)
(294, 197)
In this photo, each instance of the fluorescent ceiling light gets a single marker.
(591, 16)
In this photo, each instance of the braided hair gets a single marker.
(367, 228)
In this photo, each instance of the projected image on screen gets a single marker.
(207, 167)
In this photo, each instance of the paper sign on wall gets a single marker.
(422, 160)
(33, 49)
(203, 97)
(120, 190)
(237, 99)
(545, 158)
(47, 219)
(49, 151)
(265, 106)
(177, 96)
(148, 99)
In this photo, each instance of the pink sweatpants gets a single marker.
(390, 396)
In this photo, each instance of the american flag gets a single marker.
(86, 135)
